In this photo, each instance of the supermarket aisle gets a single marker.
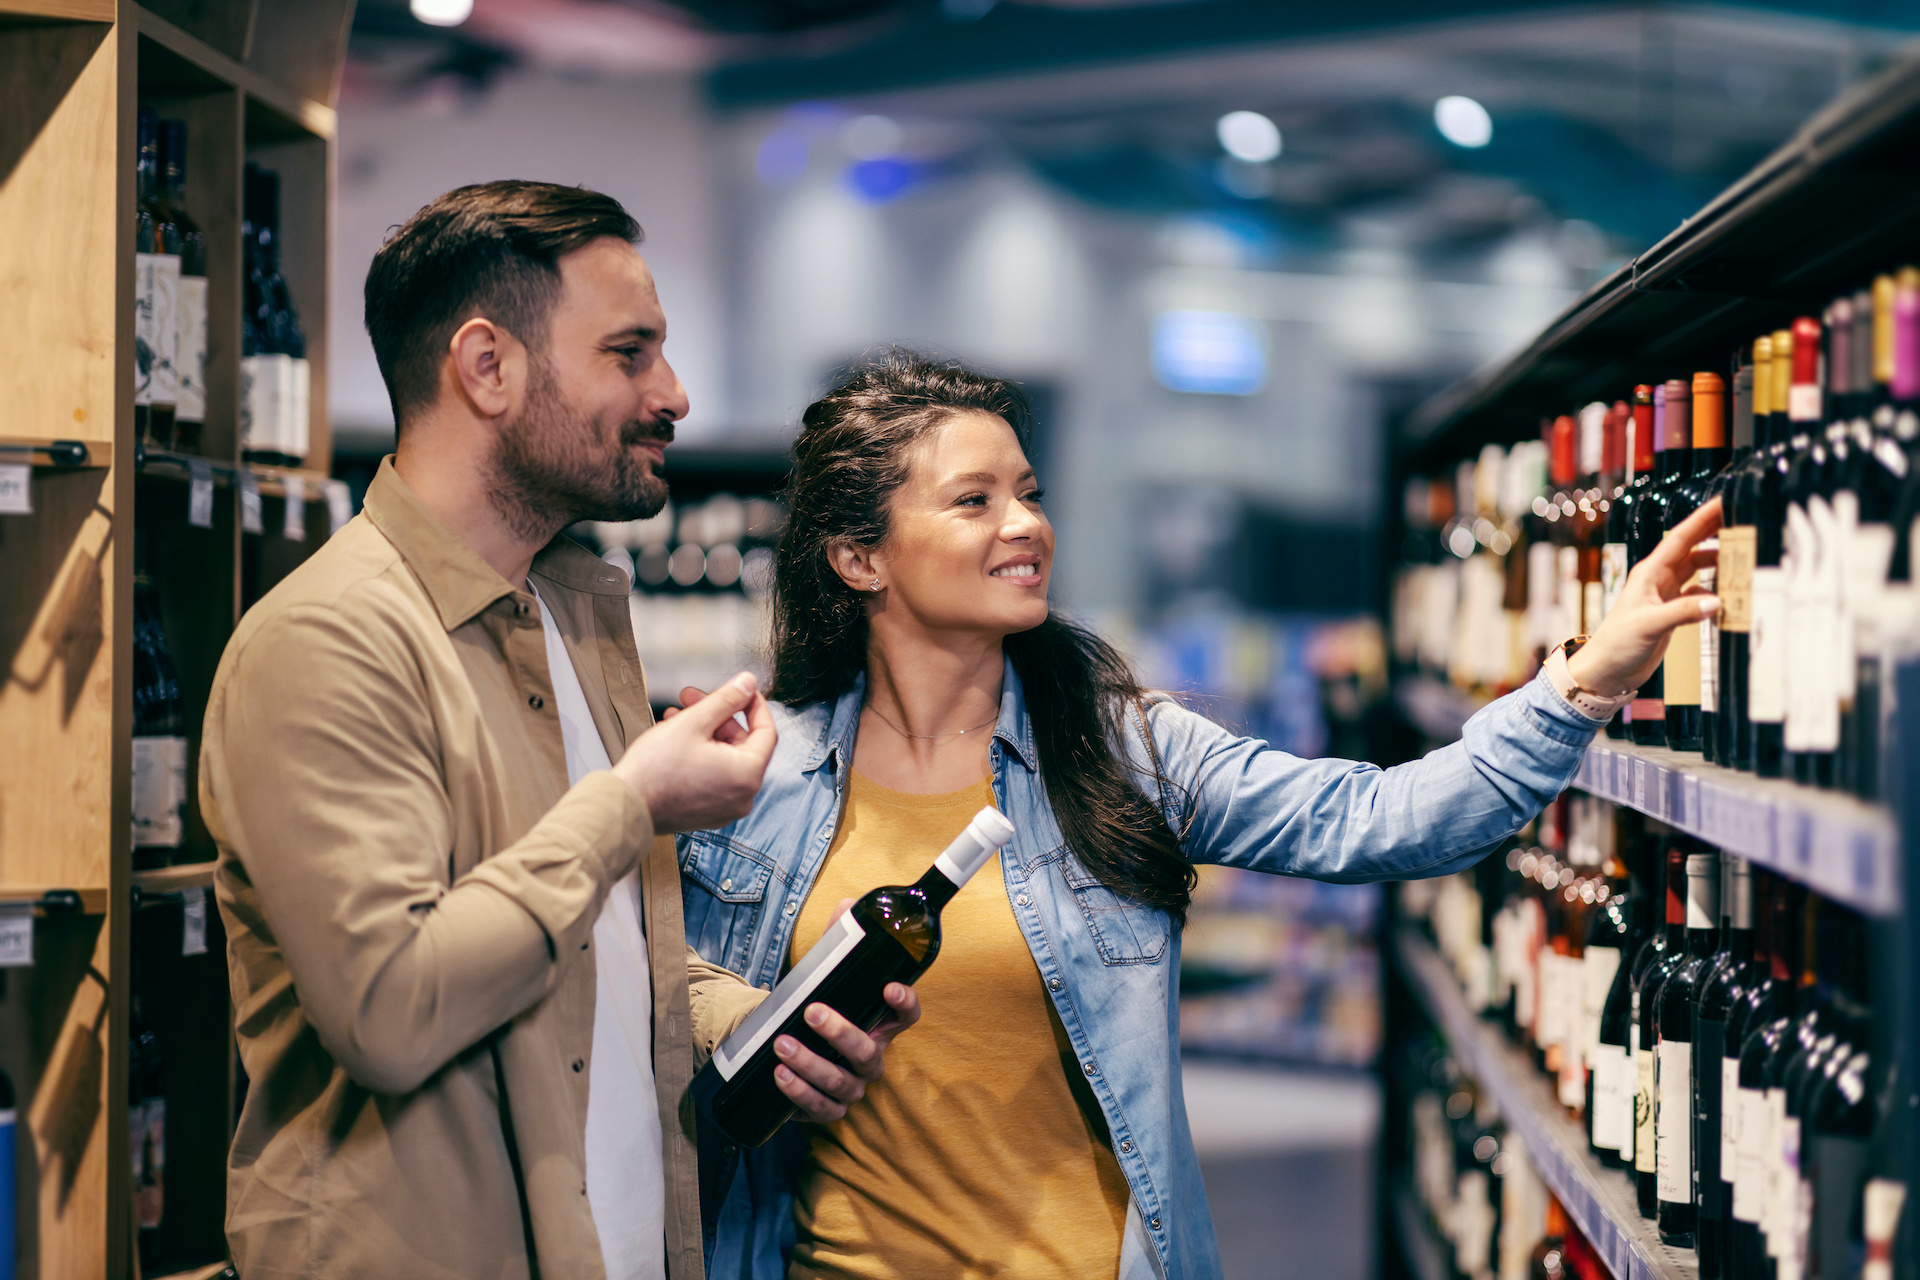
(1288, 1158)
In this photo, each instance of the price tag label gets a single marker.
(193, 935)
(293, 526)
(1640, 772)
(16, 937)
(1689, 801)
(199, 493)
(1622, 777)
(339, 505)
(16, 490)
(250, 521)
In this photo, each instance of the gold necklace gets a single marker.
(929, 737)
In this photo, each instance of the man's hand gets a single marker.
(824, 1090)
(1624, 652)
(700, 768)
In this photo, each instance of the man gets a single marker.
(463, 995)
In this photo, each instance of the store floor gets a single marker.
(1288, 1159)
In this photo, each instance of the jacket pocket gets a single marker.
(726, 884)
(1125, 932)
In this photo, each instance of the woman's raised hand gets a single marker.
(1628, 647)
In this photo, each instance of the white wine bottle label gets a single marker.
(1767, 656)
(1709, 647)
(159, 791)
(1846, 526)
(165, 388)
(1729, 1118)
(1550, 1016)
(1612, 1098)
(1749, 1182)
(1568, 598)
(1593, 607)
(1613, 575)
(1880, 1205)
(293, 517)
(1823, 616)
(1734, 577)
(1673, 1122)
(1771, 1191)
(1784, 1212)
(145, 344)
(801, 981)
(190, 361)
(1643, 1115)
(281, 367)
(296, 441)
(1598, 965)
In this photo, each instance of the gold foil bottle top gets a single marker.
(1762, 376)
(1883, 290)
(1709, 411)
(1782, 381)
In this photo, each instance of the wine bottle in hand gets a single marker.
(890, 935)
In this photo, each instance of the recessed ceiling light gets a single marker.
(1249, 136)
(1462, 121)
(442, 13)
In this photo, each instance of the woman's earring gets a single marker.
(875, 586)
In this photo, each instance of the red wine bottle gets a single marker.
(890, 935)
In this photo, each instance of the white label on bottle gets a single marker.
(1709, 646)
(1749, 1183)
(1593, 606)
(1822, 711)
(1729, 1118)
(1673, 1122)
(16, 490)
(263, 379)
(1598, 966)
(339, 505)
(1643, 1114)
(1846, 524)
(16, 937)
(1550, 1017)
(1613, 575)
(1568, 597)
(299, 408)
(165, 387)
(199, 493)
(191, 356)
(250, 519)
(1767, 659)
(1785, 1185)
(1868, 555)
(293, 524)
(1573, 1045)
(1771, 1192)
(159, 791)
(1541, 614)
(193, 929)
(737, 1049)
(1612, 1122)
(1803, 402)
(145, 346)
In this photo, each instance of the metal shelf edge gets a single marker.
(1600, 1200)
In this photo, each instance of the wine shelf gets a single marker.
(165, 882)
(56, 453)
(1844, 848)
(1599, 1199)
(1423, 1251)
(54, 901)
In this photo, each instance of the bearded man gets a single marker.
(462, 992)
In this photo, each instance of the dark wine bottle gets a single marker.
(147, 1133)
(1767, 669)
(1635, 467)
(1704, 421)
(1649, 724)
(159, 734)
(1675, 1164)
(190, 302)
(1619, 925)
(890, 935)
(1812, 727)
(1734, 575)
(1713, 1090)
(1647, 1023)
(1765, 1014)
(1805, 1033)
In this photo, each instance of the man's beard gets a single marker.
(550, 468)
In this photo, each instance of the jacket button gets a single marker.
(535, 701)
(1126, 1144)
(1092, 1070)
(521, 610)
(1154, 1223)
(1053, 984)
(1022, 900)
(726, 886)
(790, 908)
(579, 1064)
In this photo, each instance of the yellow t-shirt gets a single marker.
(980, 1151)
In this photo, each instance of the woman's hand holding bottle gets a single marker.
(1632, 640)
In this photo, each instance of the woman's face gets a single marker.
(970, 549)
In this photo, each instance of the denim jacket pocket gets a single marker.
(1125, 932)
(726, 885)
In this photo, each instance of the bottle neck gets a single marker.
(1675, 462)
(935, 888)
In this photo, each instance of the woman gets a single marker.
(1032, 1125)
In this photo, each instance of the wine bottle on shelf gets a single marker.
(190, 302)
(1647, 1024)
(1676, 1167)
(1812, 728)
(1620, 927)
(1616, 556)
(1805, 1031)
(1680, 669)
(147, 1134)
(1563, 458)
(892, 934)
(1713, 1092)
(159, 734)
(1590, 515)
(1734, 575)
(1767, 693)
(1647, 714)
(1839, 1109)
(156, 274)
(275, 376)
(1766, 1013)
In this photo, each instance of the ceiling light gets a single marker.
(870, 137)
(1462, 121)
(442, 13)
(1249, 136)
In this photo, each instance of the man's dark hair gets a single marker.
(493, 250)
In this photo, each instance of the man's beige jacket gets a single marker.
(409, 889)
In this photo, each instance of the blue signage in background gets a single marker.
(1209, 353)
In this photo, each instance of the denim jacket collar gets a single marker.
(838, 730)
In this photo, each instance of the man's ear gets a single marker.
(855, 565)
(487, 366)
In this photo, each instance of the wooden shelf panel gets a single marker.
(93, 901)
(1845, 849)
(178, 879)
(1601, 1200)
(282, 108)
(59, 10)
(46, 452)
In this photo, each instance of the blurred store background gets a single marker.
(1228, 245)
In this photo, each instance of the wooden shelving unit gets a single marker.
(255, 81)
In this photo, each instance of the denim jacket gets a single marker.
(1110, 966)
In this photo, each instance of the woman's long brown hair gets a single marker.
(852, 455)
